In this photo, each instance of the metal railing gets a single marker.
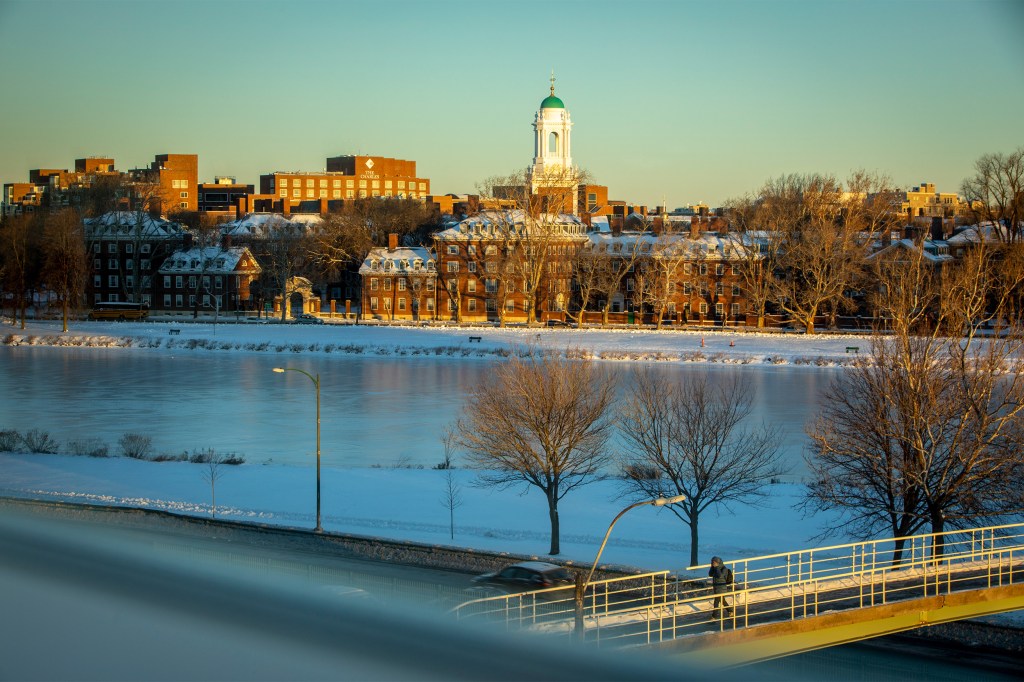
(656, 607)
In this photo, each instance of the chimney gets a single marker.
(392, 241)
(936, 228)
(225, 242)
(186, 242)
(694, 227)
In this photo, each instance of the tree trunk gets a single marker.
(897, 552)
(553, 514)
(938, 541)
(694, 536)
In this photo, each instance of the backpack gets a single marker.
(728, 576)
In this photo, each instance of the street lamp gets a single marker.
(316, 383)
(660, 502)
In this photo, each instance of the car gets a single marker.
(526, 576)
(306, 318)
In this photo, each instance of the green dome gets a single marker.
(552, 102)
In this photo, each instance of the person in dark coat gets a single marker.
(721, 583)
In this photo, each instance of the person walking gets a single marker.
(721, 583)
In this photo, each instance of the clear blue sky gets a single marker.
(690, 101)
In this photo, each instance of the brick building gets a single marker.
(399, 283)
(211, 279)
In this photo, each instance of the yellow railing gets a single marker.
(655, 607)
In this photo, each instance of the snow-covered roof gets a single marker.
(210, 260)
(974, 234)
(708, 245)
(405, 259)
(934, 251)
(131, 225)
(260, 224)
(492, 223)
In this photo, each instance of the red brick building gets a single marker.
(399, 283)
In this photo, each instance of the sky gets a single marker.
(681, 102)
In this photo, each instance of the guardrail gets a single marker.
(661, 606)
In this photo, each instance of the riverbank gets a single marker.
(613, 345)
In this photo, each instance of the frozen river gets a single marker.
(375, 411)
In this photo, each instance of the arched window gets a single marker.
(553, 143)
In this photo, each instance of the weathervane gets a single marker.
(552, 82)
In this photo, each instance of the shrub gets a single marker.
(40, 441)
(10, 440)
(166, 457)
(91, 447)
(135, 445)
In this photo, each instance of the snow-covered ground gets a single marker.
(407, 504)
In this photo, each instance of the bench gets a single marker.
(475, 338)
(853, 349)
(173, 332)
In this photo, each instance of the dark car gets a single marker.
(526, 576)
(306, 318)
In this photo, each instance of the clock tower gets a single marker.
(552, 148)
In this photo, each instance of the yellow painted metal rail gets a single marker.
(778, 588)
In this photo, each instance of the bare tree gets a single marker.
(543, 235)
(542, 421)
(996, 192)
(65, 261)
(451, 497)
(823, 250)
(212, 471)
(937, 437)
(692, 438)
(284, 249)
(20, 251)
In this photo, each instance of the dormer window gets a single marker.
(375, 265)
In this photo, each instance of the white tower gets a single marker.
(552, 146)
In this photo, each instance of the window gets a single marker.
(129, 248)
(387, 285)
(373, 303)
(167, 282)
(703, 308)
(453, 266)
(430, 305)
(491, 305)
(401, 304)
(510, 306)
(183, 195)
(129, 265)
(471, 285)
(97, 281)
(720, 268)
(218, 283)
(111, 247)
(401, 283)
(373, 284)
(735, 269)
(129, 282)
(719, 288)
(192, 282)
(112, 281)
(736, 290)
(309, 182)
(183, 205)
(491, 286)
(112, 264)
(96, 247)
(387, 304)
(472, 266)
(206, 281)
(97, 263)
(283, 182)
(430, 285)
(178, 301)
(453, 250)
(735, 309)
(309, 194)
(145, 264)
(167, 300)
(471, 305)
(296, 192)
(719, 309)
(703, 268)
(323, 182)
(451, 305)
(336, 183)
(144, 248)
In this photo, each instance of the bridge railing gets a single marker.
(658, 606)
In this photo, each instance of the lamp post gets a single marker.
(316, 383)
(660, 502)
